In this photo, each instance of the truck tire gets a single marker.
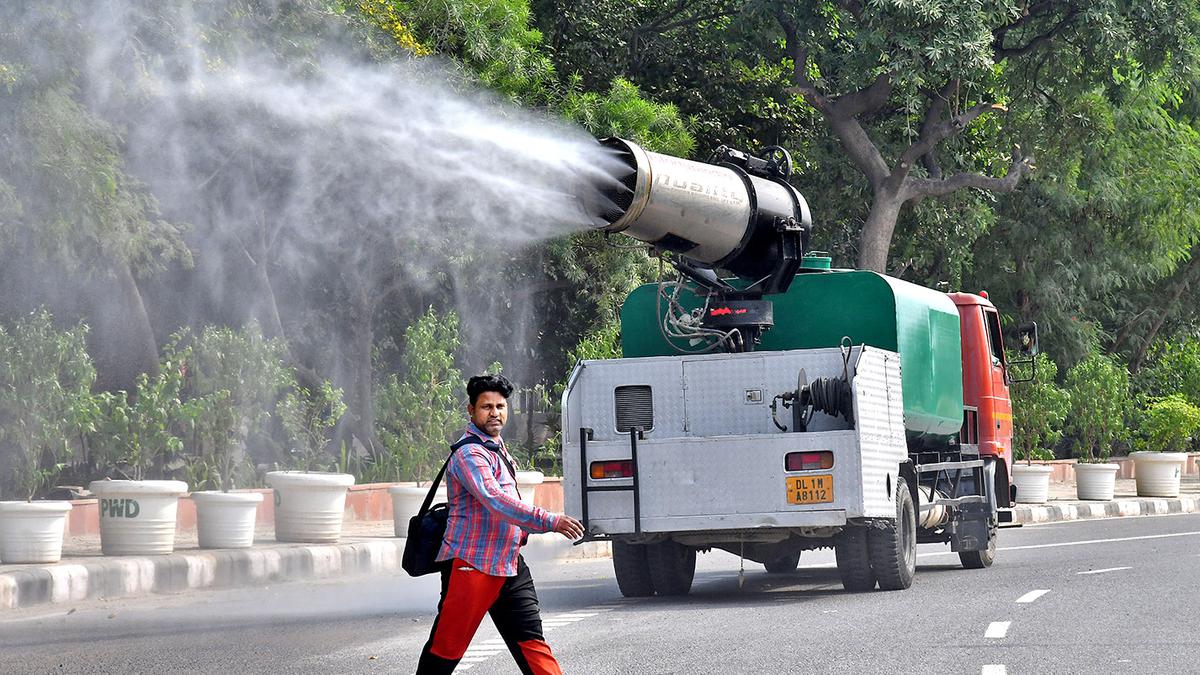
(977, 560)
(672, 567)
(632, 569)
(853, 562)
(783, 564)
(893, 547)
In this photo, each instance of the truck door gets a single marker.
(995, 434)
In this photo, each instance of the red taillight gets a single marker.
(807, 461)
(618, 469)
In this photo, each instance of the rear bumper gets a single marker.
(720, 522)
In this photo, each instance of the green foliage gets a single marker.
(622, 111)
(234, 380)
(1100, 402)
(81, 207)
(308, 416)
(1040, 409)
(418, 411)
(1174, 368)
(139, 436)
(1168, 423)
(492, 38)
(46, 378)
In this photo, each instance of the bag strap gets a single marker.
(437, 482)
(469, 439)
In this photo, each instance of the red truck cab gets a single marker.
(988, 418)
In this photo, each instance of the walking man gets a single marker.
(486, 527)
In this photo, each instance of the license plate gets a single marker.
(810, 489)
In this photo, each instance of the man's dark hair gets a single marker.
(481, 383)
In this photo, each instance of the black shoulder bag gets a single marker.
(427, 529)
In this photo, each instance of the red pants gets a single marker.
(468, 594)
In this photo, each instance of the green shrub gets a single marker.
(308, 416)
(419, 411)
(139, 436)
(1039, 412)
(1173, 368)
(46, 377)
(234, 381)
(1100, 401)
(1167, 424)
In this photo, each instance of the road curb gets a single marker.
(1147, 506)
(103, 578)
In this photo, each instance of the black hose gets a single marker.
(832, 395)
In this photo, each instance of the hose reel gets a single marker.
(830, 395)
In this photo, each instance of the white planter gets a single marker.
(32, 532)
(137, 517)
(527, 483)
(1096, 481)
(1157, 473)
(407, 500)
(309, 506)
(1033, 483)
(226, 519)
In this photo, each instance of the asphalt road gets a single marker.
(1109, 596)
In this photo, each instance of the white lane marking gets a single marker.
(1032, 595)
(1073, 543)
(494, 641)
(994, 669)
(1106, 569)
(464, 666)
(997, 629)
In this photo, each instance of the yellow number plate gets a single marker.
(810, 489)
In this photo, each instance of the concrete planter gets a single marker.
(137, 517)
(1033, 483)
(309, 506)
(226, 519)
(406, 501)
(1157, 473)
(527, 484)
(1096, 481)
(32, 532)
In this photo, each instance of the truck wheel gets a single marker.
(632, 569)
(672, 567)
(853, 563)
(893, 547)
(977, 560)
(783, 564)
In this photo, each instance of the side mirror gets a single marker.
(1027, 338)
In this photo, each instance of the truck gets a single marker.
(767, 403)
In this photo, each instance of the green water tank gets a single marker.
(819, 308)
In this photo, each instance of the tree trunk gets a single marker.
(125, 341)
(876, 238)
(268, 311)
(361, 399)
(1139, 354)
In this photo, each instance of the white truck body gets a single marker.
(711, 460)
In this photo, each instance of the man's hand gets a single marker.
(569, 527)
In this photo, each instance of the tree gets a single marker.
(80, 210)
(911, 91)
(1096, 248)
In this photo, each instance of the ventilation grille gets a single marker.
(635, 407)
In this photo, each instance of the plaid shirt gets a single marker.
(486, 518)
